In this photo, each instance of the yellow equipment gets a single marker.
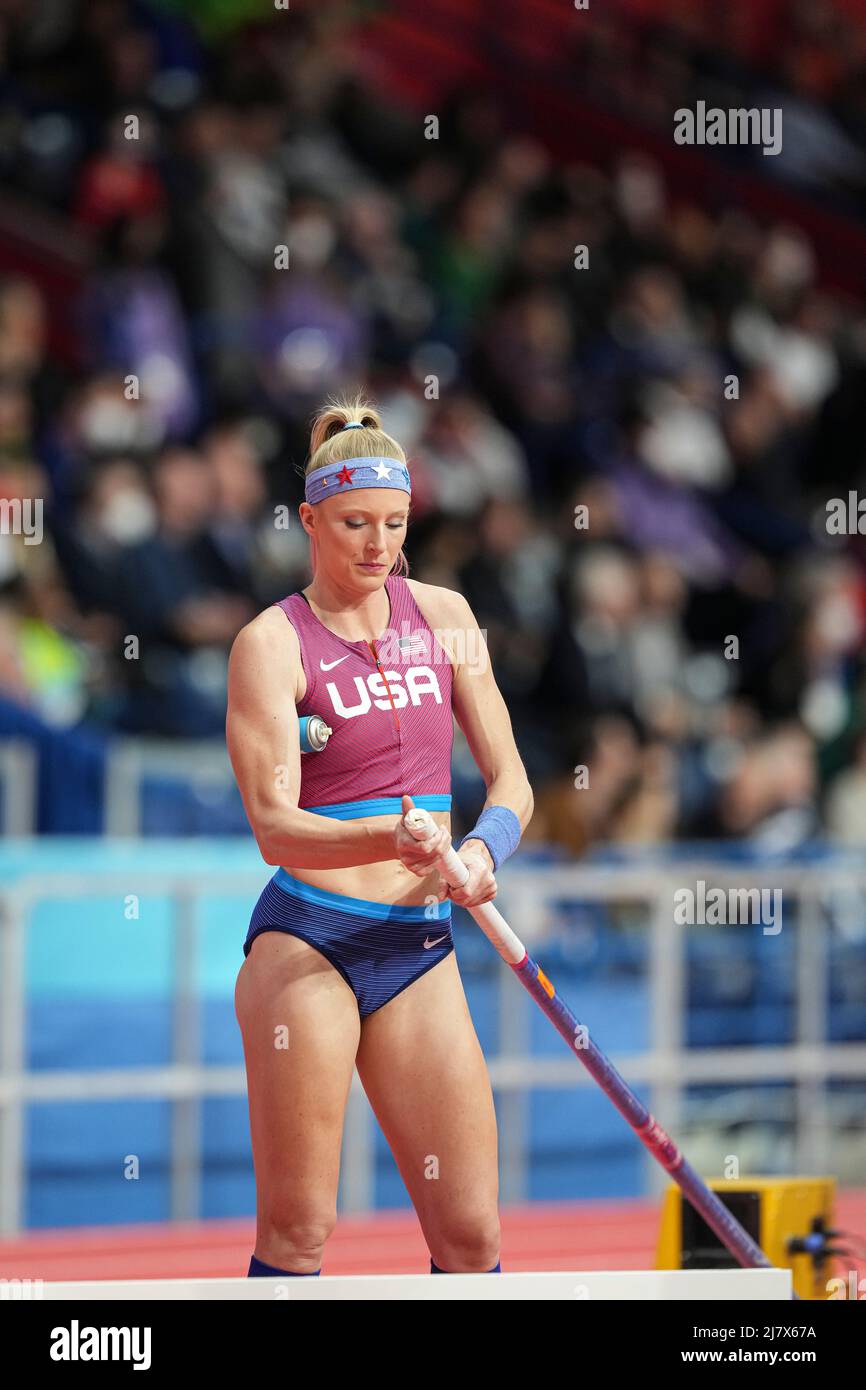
(774, 1211)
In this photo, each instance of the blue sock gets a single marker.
(263, 1271)
(434, 1269)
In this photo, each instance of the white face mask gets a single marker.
(128, 516)
(311, 240)
(108, 424)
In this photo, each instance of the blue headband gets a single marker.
(348, 474)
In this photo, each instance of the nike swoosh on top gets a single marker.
(326, 665)
(428, 943)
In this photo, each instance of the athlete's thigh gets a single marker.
(300, 1025)
(422, 1067)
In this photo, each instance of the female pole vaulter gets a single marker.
(349, 954)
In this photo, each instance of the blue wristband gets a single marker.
(500, 830)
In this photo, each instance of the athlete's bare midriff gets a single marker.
(389, 881)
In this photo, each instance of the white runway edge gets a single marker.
(710, 1285)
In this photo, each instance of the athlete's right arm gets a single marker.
(263, 737)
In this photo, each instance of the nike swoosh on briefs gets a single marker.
(326, 665)
(428, 943)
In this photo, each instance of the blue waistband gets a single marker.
(381, 806)
(362, 907)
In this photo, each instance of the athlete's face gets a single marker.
(359, 535)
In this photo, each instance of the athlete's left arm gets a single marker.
(482, 713)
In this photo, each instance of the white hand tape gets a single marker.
(421, 825)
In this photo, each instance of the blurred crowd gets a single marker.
(806, 57)
(624, 468)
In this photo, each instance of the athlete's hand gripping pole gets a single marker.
(717, 1216)
(420, 824)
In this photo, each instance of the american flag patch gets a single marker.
(413, 645)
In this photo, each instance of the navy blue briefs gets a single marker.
(378, 948)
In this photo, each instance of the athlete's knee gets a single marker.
(299, 1233)
(465, 1245)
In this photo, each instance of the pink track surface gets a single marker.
(543, 1236)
